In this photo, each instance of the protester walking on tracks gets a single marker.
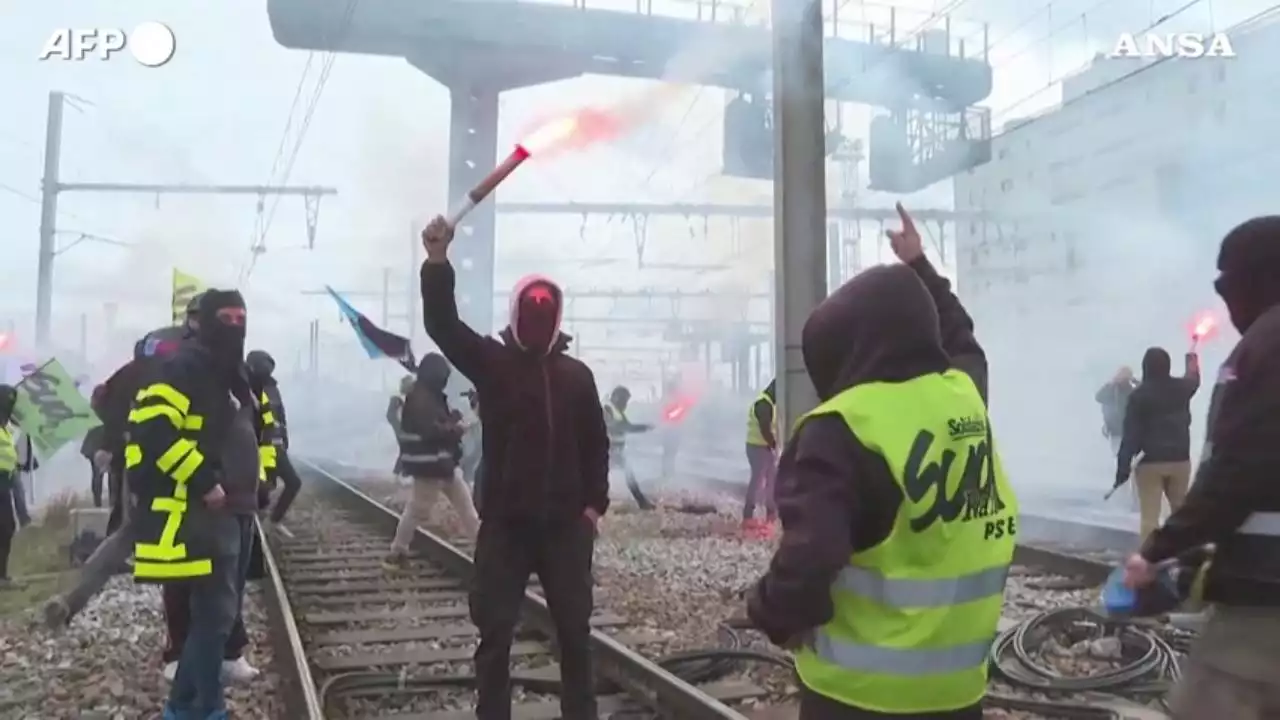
(619, 426)
(898, 521)
(1157, 432)
(193, 456)
(762, 459)
(430, 448)
(8, 479)
(546, 483)
(1113, 397)
(1234, 667)
(262, 368)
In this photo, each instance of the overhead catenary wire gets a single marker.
(264, 222)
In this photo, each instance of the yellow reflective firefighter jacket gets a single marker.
(915, 616)
(268, 439)
(172, 455)
(754, 436)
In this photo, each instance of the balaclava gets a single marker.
(433, 372)
(260, 365)
(8, 399)
(536, 307)
(224, 341)
(1249, 270)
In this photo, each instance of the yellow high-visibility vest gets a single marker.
(8, 451)
(915, 616)
(754, 436)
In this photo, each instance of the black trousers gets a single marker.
(8, 521)
(95, 484)
(507, 551)
(292, 485)
(114, 481)
(819, 707)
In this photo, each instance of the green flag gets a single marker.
(51, 410)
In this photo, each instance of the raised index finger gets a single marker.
(908, 225)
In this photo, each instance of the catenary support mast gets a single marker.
(53, 187)
(799, 195)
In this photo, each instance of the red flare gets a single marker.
(1203, 326)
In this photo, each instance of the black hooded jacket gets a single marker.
(546, 452)
(1237, 472)
(835, 497)
(1157, 419)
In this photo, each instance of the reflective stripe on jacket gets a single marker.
(754, 436)
(269, 438)
(8, 451)
(915, 616)
(162, 459)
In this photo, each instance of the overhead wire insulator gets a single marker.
(640, 229)
(312, 206)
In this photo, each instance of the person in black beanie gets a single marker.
(1234, 504)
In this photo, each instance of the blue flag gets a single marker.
(375, 341)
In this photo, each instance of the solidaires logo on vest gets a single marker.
(975, 497)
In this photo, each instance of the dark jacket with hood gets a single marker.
(119, 390)
(546, 452)
(1237, 475)
(430, 439)
(834, 496)
(272, 390)
(1157, 420)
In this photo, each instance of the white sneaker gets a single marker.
(170, 670)
(238, 670)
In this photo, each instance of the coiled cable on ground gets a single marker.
(1149, 665)
(1148, 657)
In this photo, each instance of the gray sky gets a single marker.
(215, 114)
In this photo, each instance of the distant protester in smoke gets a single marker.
(1114, 398)
(1157, 433)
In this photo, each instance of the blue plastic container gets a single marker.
(1116, 598)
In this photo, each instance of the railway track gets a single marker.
(355, 641)
(366, 643)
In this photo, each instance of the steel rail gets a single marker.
(646, 682)
(302, 701)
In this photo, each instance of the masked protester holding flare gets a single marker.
(1234, 504)
(546, 475)
(898, 521)
(193, 456)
